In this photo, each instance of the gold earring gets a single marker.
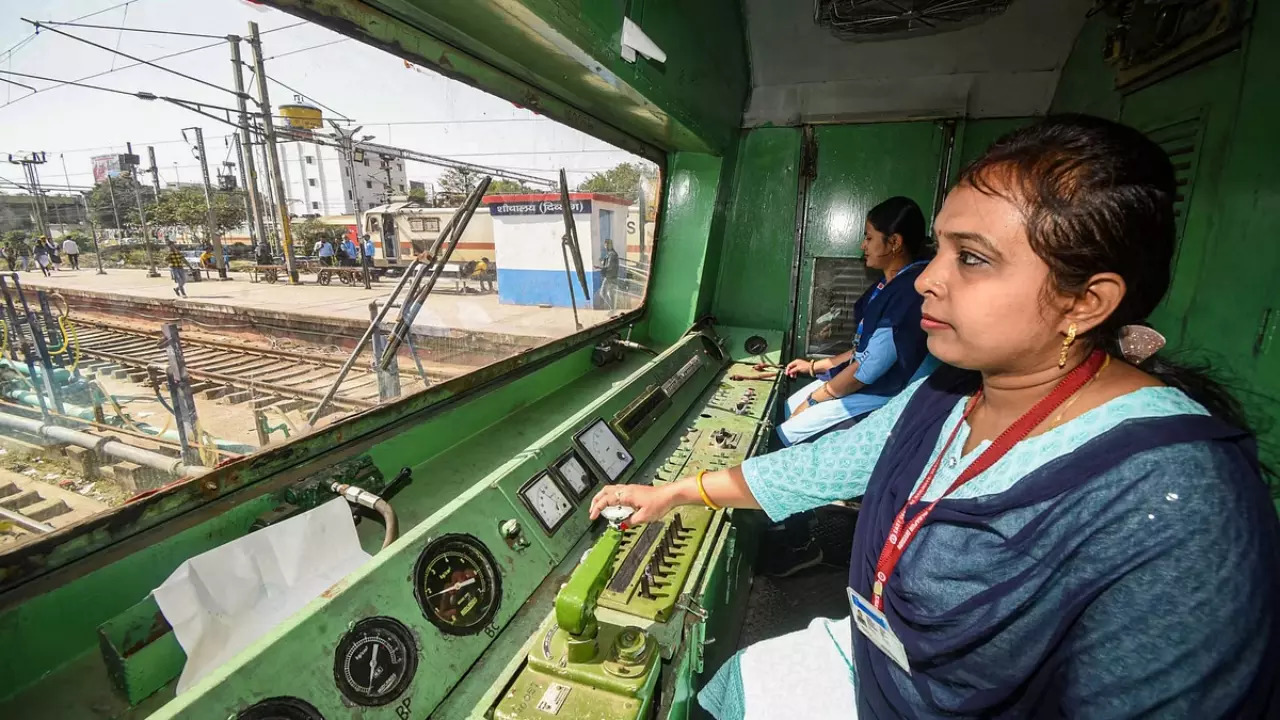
(1066, 345)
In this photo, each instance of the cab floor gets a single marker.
(781, 605)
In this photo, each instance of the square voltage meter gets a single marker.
(602, 449)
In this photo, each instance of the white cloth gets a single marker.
(70, 247)
(803, 674)
(222, 601)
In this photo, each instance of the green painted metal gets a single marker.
(1087, 83)
(576, 602)
(468, 486)
(616, 681)
(857, 167)
(680, 259)
(756, 244)
(973, 137)
(1205, 95)
(670, 553)
(140, 650)
(714, 579)
(570, 51)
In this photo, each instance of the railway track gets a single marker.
(233, 373)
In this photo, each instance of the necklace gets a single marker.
(1058, 418)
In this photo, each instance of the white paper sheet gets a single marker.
(221, 601)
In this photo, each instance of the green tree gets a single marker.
(310, 231)
(185, 208)
(622, 180)
(11, 219)
(122, 186)
(504, 186)
(418, 195)
(457, 183)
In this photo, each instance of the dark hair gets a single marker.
(901, 216)
(1097, 196)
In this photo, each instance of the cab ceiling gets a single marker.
(1006, 66)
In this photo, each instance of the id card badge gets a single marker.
(873, 626)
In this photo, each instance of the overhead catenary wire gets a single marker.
(23, 42)
(167, 56)
(131, 57)
(302, 50)
(121, 28)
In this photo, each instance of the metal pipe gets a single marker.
(105, 445)
(364, 339)
(25, 522)
(359, 496)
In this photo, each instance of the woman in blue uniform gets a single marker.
(1055, 523)
(888, 348)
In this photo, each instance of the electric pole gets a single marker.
(269, 203)
(155, 185)
(210, 219)
(347, 140)
(28, 161)
(142, 215)
(250, 208)
(273, 160)
(93, 226)
(115, 212)
(244, 144)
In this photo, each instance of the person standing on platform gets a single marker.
(10, 255)
(72, 251)
(42, 258)
(366, 252)
(55, 260)
(348, 252)
(177, 269)
(24, 255)
(325, 252)
(609, 264)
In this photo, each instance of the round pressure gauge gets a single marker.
(457, 585)
(280, 708)
(375, 661)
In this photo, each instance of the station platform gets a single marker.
(334, 314)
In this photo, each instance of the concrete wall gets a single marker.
(1004, 67)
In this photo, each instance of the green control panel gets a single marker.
(638, 592)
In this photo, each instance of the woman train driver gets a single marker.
(1055, 522)
(889, 344)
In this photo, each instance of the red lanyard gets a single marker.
(900, 538)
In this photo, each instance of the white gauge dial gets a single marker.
(605, 449)
(546, 501)
(575, 475)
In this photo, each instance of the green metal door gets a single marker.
(855, 167)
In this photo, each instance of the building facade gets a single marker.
(317, 182)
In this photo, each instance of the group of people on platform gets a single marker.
(1055, 519)
(46, 255)
(347, 253)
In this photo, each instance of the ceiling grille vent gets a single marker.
(889, 19)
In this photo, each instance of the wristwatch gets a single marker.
(809, 401)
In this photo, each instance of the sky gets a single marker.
(403, 106)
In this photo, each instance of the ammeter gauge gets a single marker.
(375, 661)
(457, 585)
(604, 450)
(547, 501)
(577, 478)
(280, 708)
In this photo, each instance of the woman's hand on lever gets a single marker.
(800, 366)
(650, 501)
(725, 488)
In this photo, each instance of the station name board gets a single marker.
(543, 207)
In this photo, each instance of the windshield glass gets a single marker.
(224, 270)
